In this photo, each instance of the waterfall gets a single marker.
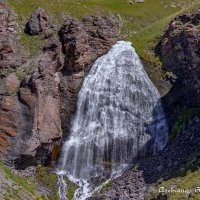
(119, 116)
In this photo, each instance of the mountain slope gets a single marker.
(142, 22)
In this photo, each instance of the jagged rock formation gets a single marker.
(39, 22)
(179, 50)
(30, 110)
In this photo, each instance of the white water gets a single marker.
(119, 116)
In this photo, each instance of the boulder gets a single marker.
(39, 22)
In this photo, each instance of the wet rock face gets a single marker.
(39, 22)
(179, 50)
(83, 42)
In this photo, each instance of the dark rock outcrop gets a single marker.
(39, 22)
(83, 42)
(179, 50)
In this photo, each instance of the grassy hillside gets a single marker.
(42, 186)
(15, 187)
(142, 22)
(190, 183)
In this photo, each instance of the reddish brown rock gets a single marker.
(40, 95)
(7, 103)
(12, 84)
(8, 130)
(8, 125)
(85, 41)
(10, 60)
(30, 124)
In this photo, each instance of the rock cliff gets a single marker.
(179, 51)
(38, 95)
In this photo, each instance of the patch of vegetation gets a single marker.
(71, 188)
(188, 182)
(106, 187)
(49, 179)
(21, 73)
(182, 121)
(11, 193)
(32, 43)
(17, 187)
(44, 175)
(25, 183)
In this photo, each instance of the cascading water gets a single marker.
(119, 116)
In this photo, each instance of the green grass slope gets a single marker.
(15, 187)
(180, 188)
(42, 186)
(142, 22)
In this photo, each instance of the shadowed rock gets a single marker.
(39, 22)
(180, 52)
